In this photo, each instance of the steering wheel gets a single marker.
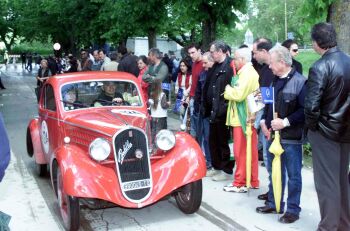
(124, 103)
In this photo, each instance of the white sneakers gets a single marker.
(212, 172)
(218, 175)
(231, 188)
(222, 176)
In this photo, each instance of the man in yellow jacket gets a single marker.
(245, 83)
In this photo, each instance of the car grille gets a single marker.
(133, 164)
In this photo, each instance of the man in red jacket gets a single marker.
(195, 53)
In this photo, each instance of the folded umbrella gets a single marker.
(277, 150)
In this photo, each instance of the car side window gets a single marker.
(49, 98)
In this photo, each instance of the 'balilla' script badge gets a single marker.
(123, 151)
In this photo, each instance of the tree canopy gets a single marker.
(82, 23)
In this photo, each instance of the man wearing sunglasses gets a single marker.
(294, 51)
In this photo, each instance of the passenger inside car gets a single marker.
(70, 100)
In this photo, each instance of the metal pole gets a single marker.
(285, 18)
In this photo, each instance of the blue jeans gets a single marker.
(194, 119)
(263, 140)
(203, 137)
(261, 136)
(291, 160)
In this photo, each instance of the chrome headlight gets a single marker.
(165, 140)
(99, 149)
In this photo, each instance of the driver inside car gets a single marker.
(109, 96)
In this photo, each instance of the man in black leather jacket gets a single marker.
(327, 115)
(215, 108)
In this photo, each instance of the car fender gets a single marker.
(34, 135)
(84, 177)
(183, 164)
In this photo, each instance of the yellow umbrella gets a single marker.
(249, 155)
(277, 150)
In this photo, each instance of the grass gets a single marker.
(307, 58)
(307, 155)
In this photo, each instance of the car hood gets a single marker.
(108, 121)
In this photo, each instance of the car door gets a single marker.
(49, 121)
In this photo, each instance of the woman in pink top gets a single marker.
(142, 63)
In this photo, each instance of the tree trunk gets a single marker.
(339, 16)
(152, 39)
(193, 35)
(208, 33)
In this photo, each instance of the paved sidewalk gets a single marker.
(21, 198)
(239, 208)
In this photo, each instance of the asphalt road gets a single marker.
(37, 205)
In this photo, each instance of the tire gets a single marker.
(68, 206)
(189, 197)
(29, 143)
(41, 169)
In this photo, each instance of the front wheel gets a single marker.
(68, 205)
(189, 197)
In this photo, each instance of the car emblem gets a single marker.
(130, 133)
(138, 154)
(123, 151)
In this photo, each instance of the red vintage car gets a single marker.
(93, 132)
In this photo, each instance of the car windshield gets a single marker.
(99, 94)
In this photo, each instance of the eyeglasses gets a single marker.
(295, 50)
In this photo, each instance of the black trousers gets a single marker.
(1, 85)
(331, 169)
(219, 134)
(157, 124)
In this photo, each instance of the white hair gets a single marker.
(208, 55)
(282, 53)
(245, 53)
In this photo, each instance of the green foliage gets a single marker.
(79, 23)
(33, 47)
(307, 58)
(307, 149)
(9, 22)
(266, 18)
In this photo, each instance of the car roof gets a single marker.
(91, 75)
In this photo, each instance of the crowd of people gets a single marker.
(217, 89)
(213, 92)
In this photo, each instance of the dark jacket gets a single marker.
(214, 103)
(297, 65)
(41, 74)
(106, 100)
(128, 63)
(327, 103)
(289, 103)
(198, 97)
